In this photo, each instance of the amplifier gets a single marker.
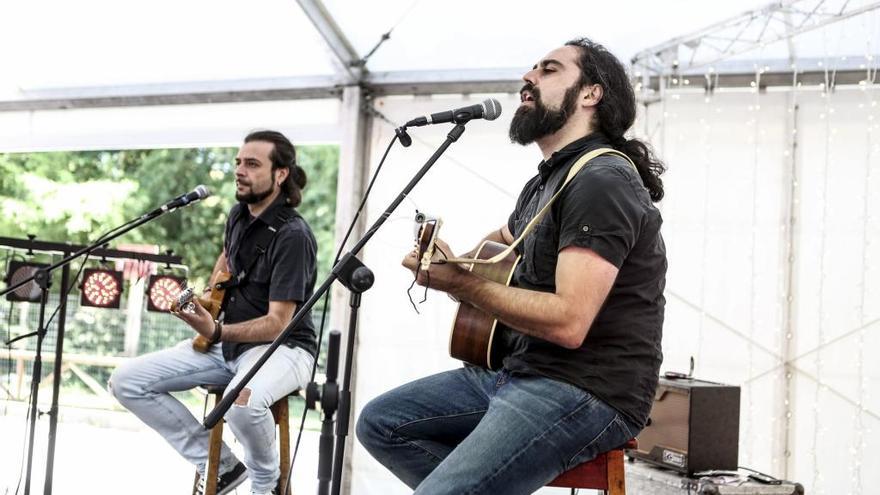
(693, 426)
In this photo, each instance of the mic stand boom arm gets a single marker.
(43, 277)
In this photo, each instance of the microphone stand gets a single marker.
(347, 268)
(328, 395)
(42, 277)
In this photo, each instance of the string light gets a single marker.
(756, 121)
(827, 88)
(858, 420)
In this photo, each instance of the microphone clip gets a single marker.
(403, 136)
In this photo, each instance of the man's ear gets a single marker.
(281, 175)
(591, 95)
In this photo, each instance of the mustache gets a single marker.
(536, 93)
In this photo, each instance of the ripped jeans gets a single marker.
(143, 384)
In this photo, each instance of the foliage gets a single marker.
(77, 196)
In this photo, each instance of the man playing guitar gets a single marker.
(581, 319)
(270, 251)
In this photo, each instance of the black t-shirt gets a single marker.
(286, 272)
(607, 209)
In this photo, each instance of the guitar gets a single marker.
(211, 302)
(472, 339)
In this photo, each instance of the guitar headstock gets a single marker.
(426, 239)
(183, 301)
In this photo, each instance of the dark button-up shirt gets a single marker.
(605, 208)
(285, 272)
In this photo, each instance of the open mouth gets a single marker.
(525, 96)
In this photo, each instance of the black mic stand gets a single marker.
(348, 264)
(329, 397)
(42, 277)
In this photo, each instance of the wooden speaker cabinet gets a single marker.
(693, 426)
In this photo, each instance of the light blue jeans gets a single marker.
(143, 384)
(474, 431)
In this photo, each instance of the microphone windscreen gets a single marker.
(202, 191)
(491, 109)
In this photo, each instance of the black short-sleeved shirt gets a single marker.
(286, 272)
(606, 209)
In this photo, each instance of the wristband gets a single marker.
(218, 331)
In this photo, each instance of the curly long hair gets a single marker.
(616, 111)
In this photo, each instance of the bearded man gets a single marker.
(581, 321)
(271, 253)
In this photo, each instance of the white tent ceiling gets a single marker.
(93, 48)
(50, 44)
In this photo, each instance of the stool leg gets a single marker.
(212, 467)
(615, 473)
(282, 418)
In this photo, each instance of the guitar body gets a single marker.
(473, 331)
(211, 302)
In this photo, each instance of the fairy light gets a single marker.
(827, 91)
(790, 220)
(707, 160)
(755, 108)
(858, 420)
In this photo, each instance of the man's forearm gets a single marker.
(540, 314)
(262, 329)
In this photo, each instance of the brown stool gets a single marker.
(605, 473)
(281, 416)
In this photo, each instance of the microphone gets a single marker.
(200, 192)
(489, 109)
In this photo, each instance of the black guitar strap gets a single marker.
(262, 240)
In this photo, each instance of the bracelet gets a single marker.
(218, 331)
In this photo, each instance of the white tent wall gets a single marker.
(167, 126)
(733, 191)
(730, 191)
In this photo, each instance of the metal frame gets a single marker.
(679, 56)
(752, 29)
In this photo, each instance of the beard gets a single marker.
(253, 197)
(530, 124)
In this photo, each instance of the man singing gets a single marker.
(581, 321)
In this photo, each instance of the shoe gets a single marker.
(227, 481)
(275, 491)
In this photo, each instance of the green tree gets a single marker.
(76, 196)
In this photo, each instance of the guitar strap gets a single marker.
(262, 240)
(578, 165)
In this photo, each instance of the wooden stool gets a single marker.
(605, 473)
(212, 468)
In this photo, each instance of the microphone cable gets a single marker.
(326, 298)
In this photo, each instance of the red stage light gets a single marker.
(101, 288)
(162, 290)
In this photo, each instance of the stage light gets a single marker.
(162, 290)
(101, 288)
(22, 270)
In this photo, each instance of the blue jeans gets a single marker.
(143, 384)
(474, 431)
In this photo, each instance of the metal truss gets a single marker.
(680, 56)
(775, 22)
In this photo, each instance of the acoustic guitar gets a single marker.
(211, 302)
(472, 339)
